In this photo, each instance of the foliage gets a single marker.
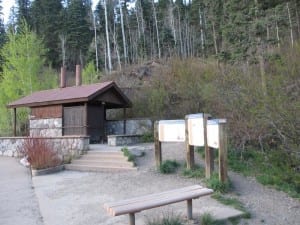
(217, 185)
(271, 168)
(128, 154)
(148, 137)
(168, 166)
(166, 220)
(196, 172)
(89, 74)
(22, 74)
(232, 202)
(207, 219)
(39, 153)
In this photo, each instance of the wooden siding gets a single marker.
(74, 120)
(54, 111)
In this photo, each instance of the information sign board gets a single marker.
(196, 129)
(171, 130)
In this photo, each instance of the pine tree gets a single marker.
(47, 22)
(23, 11)
(79, 31)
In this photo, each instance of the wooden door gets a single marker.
(74, 120)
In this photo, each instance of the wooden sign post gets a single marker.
(157, 144)
(190, 159)
(223, 176)
(209, 152)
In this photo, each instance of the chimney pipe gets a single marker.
(78, 75)
(62, 77)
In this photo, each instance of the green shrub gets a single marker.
(166, 220)
(207, 219)
(218, 186)
(127, 153)
(148, 137)
(196, 172)
(168, 166)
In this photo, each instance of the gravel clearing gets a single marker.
(77, 198)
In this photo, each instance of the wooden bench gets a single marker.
(138, 204)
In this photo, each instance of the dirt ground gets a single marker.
(77, 198)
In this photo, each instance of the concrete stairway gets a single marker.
(98, 161)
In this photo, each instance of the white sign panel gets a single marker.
(196, 129)
(213, 133)
(171, 130)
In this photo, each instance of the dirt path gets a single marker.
(266, 205)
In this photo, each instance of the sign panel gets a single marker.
(171, 130)
(213, 133)
(196, 129)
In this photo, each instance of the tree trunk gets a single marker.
(290, 23)
(96, 46)
(156, 28)
(123, 34)
(107, 39)
(201, 32)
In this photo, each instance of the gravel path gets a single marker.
(77, 198)
(18, 203)
(266, 205)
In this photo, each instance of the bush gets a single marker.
(207, 219)
(169, 166)
(127, 153)
(166, 220)
(196, 172)
(148, 137)
(218, 186)
(39, 153)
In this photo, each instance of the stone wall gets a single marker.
(66, 146)
(123, 140)
(46, 127)
(133, 127)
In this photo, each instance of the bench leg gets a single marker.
(189, 209)
(131, 219)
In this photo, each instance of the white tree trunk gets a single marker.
(63, 40)
(201, 32)
(96, 46)
(156, 27)
(123, 34)
(290, 22)
(116, 48)
(107, 38)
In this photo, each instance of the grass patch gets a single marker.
(235, 203)
(169, 166)
(166, 220)
(148, 137)
(218, 186)
(207, 219)
(128, 154)
(196, 172)
(272, 168)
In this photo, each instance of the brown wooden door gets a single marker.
(74, 122)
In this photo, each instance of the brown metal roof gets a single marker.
(83, 93)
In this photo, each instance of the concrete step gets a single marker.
(103, 163)
(88, 168)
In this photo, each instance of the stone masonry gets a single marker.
(46, 127)
(66, 146)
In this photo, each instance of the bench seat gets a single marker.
(138, 204)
